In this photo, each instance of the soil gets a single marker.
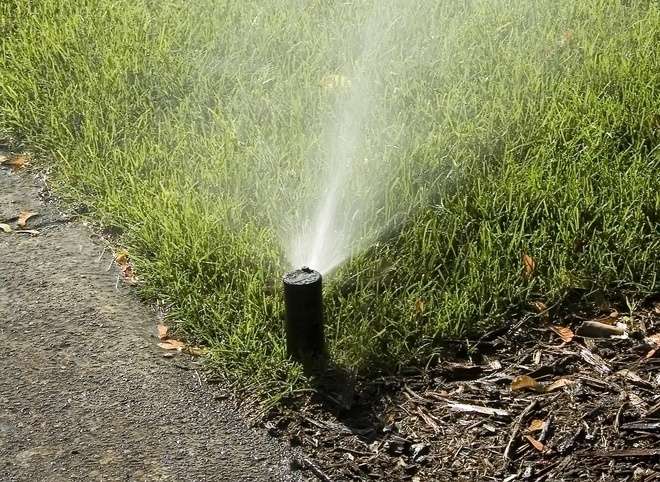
(85, 392)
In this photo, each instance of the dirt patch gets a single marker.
(85, 394)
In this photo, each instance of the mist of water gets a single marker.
(355, 166)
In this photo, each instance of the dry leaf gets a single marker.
(562, 382)
(529, 266)
(419, 307)
(23, 218)
(162, 332)
(525, 381)
(539, 306)
(608, 319)
(172, 345)
(565, 333)
(566, 38)
(15, 162)
(535, 443)
(5, 227)
(121, 258)
(195, 350)
(335, 81)
(535, 425)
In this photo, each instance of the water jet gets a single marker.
(303, 302)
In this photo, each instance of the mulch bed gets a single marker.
(532, 401)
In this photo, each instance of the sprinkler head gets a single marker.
(304, 316)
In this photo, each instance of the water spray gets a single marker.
(303, 301)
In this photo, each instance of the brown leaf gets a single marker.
(6, 228)
(172, 345)
(535, 443)
(535, 425)
(121, 258)
(15, 162)
(196, 350)
(23, 218)
(162, 332)
(562, 382)
(539, 306)
(419, 306)
(335, 81)
(529, 266)
(608, 319)
(525, 381)
(565, 333)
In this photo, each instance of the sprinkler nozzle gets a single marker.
(304, 316)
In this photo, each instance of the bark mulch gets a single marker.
(533, 401)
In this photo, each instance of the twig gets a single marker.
(516, 430)
(315, 470)
(617, 419)
(546, 428)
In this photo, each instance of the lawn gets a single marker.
(503, 152)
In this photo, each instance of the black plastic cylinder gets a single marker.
(303, 300)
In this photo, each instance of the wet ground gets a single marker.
(85, 393)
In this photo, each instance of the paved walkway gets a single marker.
(85, 394)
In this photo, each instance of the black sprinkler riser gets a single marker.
(303, 300)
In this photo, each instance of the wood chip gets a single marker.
(596, 329)
(562, 382)
(462, 407)
(655, 452)
(594, 360)
(516, 430)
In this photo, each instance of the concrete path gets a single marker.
(85, 393)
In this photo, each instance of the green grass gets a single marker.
(532, 127)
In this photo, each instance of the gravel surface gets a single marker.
(85, 393)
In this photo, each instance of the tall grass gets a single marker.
(532, 128)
